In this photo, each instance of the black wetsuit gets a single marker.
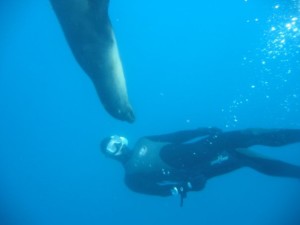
(180, 162)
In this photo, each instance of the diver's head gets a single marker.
(115, 147)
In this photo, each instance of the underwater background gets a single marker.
(188, 64)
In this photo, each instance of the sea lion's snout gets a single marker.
(130, 116)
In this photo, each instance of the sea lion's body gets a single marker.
(89, 33)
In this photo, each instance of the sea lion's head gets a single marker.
(125, 114)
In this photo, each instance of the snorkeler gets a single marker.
(180, 162)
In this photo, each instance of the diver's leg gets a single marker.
(250, 137)
(266, 165)
(203, 151)
(276, 137)
(276, 168)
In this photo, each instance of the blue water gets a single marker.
(188, 64)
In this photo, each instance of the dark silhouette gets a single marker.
(176, 163)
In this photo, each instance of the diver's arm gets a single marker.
(186, 135)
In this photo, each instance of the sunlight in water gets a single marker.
(283, 34)
(281, 54)
(281, 38)
(275, 64)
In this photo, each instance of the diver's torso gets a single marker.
(146, 160)
(145, 170)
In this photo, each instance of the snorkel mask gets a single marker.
(116, 144)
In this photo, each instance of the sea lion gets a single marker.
(89, 33)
